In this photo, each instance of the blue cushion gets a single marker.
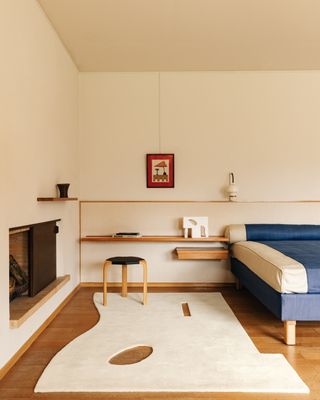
(259, 232)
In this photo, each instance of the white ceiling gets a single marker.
(188, 35)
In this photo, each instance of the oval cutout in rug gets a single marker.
(131, 356)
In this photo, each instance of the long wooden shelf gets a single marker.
(57, 198)
(93, 238)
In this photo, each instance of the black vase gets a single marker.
(63, 189)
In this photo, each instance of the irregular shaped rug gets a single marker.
(206, 352)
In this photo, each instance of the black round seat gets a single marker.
(126, 260)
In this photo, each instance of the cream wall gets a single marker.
(38, 145)
(263, 126)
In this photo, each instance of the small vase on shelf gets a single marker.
(63, 189)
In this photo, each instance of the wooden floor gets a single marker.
(80, 315)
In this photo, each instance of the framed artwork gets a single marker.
(160, 170)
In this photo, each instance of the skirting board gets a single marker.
(164, 285)
(4, 370)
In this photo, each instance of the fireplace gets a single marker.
(32, 258)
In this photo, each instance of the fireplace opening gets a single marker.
(32, 258)
(18, 262)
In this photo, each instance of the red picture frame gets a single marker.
(160, 170)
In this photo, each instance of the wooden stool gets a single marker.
(124, 261)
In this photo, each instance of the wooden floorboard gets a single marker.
(80, 315)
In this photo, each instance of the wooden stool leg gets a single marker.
(145, 280)
(124, 291)
(105, 272)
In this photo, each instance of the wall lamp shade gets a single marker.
(232, 188)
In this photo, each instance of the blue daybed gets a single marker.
(280, 265)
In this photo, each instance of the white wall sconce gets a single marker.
(232, 189)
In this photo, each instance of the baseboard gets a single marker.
(164, 285)
(4, 370)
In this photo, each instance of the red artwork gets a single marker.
(160, 170)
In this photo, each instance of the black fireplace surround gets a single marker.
(41, 249)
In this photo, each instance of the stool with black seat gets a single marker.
(124, 262)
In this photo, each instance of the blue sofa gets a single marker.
(300, 243)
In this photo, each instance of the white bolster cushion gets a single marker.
(282, 273)
(236, 233)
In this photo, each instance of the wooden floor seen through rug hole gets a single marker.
(131, 356)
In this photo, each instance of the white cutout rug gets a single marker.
(207, 352)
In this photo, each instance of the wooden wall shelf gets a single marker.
(57, 198)
(202, 253)
(92, 238)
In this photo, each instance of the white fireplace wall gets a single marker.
(38, 145)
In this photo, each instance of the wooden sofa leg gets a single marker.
(290, 332)
(238, 284)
